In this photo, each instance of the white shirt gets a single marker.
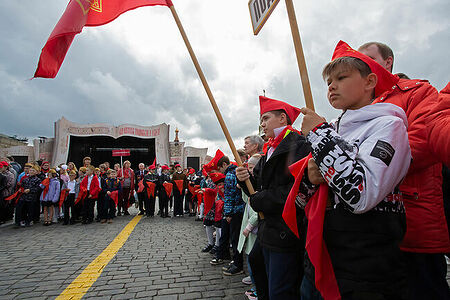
(89, 181)
(71, 186)
(276, 132)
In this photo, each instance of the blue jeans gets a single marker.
(283, 274)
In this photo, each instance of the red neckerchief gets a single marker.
(325, 279)
(274, 142)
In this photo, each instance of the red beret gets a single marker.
(164, 167)
(386, 80)
(217, 177)
(151, 167)
(214, 162)
(177, 165)
(267, 104)
(3, 164)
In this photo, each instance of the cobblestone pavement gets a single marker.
(160, 260)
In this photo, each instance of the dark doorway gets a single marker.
(193, 162)
(21, 160)
(99, 149)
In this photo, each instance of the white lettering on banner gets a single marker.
(260, 11)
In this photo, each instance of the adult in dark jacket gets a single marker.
(282, 250)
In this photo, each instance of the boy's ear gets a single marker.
(371, 81)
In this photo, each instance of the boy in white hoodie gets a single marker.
(362, 157)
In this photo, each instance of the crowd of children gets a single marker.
(321, 213)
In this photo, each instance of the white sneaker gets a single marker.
(247, 280)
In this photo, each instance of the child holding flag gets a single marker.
(281, 249)
(111, 189)
(31, 190)
(362, 157)
(73, 186)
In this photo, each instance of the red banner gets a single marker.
(151, 189)
(179, 184)
(168, 187)
(209, 197)
(115, 197)
(80, 13)
(141, 186)
(63, 196)
(123, 152)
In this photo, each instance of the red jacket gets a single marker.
(422, 187)
(94, 188)
(439, 127)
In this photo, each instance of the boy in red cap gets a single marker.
(178, 193)
(151, 176)
(163, 197)
(271, 178)
(362, 157)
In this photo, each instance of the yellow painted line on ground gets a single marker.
(78, 288)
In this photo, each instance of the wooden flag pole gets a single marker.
(300, 56)
(210, 96)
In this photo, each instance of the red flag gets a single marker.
(80, 13)
(179, 184)
(168, 187)
(151, 189)
(46, 184)
(63, 196)
(115, 197)
(209, 197)
(141, 186)
(81, 195)
(153, 165)
(16, 195)
(325, 279)
(191, 189)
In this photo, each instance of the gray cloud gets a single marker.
(137, 70)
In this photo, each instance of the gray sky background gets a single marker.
(137, 70)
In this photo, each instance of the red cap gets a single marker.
(214, 162)
(386, 80)
(44, 162)
(267, 104)
(177, 165)
(165, 167)
(217, 177)
(191, 171)
(3, 164)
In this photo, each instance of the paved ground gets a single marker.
(160, 260)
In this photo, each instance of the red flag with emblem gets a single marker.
(80, 13)
(63, 196)
(151, 189)
(168, 187)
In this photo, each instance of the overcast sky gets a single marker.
(137, 70)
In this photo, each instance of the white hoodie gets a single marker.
(363, 155)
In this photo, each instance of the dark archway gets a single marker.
(99, 148)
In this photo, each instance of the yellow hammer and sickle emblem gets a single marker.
(86, 5)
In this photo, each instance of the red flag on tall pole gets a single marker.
(80, 13)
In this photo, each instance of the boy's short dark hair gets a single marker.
(348, 63)
(279, 112)
(224, 159)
